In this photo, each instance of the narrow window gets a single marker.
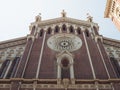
(41, 32)
(87, 33)
(116, 66)
(71, 29)
(57, 29)
(78, 30)
(64, 27)
(65, 70)
(49, 30)
(13, 67)
(4, 68)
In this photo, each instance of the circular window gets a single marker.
(60, 42)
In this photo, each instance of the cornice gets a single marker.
(51, 80)
(13, 42)
(63, 19)
(52, 84)
(111, 42)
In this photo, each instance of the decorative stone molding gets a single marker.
(69, 86)
(5, 85)
(86, 83)
(62, 86)
(98, 37)
(69, 57)
(61, 42)
(111, 42)
(12, 52)
(66, 83)
(63, 20)
(65, 54)
(30, 37)
(13, 43)
(112, 52)
(112, 48)
(68, 24)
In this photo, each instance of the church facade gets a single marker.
(60, 54)
(112, 11)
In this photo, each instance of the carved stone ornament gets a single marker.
(61, 42)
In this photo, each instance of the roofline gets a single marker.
(63, 19)
(13, 40)
(114, 40)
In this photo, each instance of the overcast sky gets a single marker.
(16, 15)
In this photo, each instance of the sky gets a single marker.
(16, 15)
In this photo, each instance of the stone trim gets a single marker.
(80, 86)
(103, 60)
(69, 56)
(111, 42)
(61, 19)
(40, 57)
(54, 86)
(5, 85)
(86, 83)
(88, 52)
(28, 56)
(13, 42)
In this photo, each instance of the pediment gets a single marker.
(65, 52)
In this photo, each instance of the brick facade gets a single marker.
(43, 67)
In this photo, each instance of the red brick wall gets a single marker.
(116, 86)
(32, 65)
(98, 65)
(107, 61)
(82, 66)
(23, 60)
(48, 63)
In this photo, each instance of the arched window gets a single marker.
(64, 27)
(41, 32)
(78, 30)
(65, 63)
(49, 30)
(71, 29)
(116, 66)
(4, 68)
(65, 69)
(87, 33)
(13, 67)
(57, 29)
(65, 66)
